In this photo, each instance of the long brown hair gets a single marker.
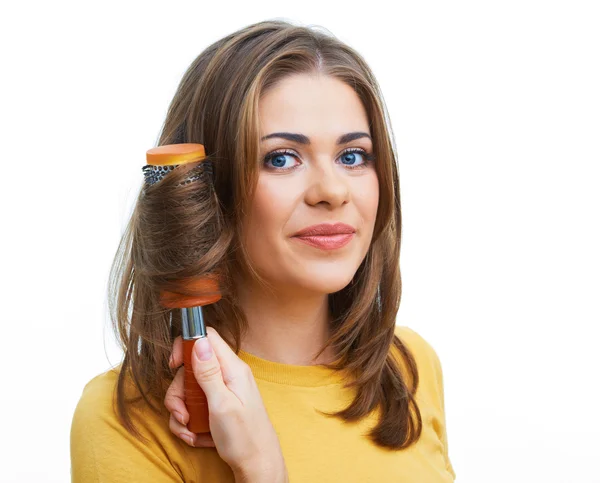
(216, 104)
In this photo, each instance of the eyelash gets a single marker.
(367, 157)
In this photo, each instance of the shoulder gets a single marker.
(102, 448)
(426, 358)
(96, 400)
(418, 345)
(415, 340)
(100, 384)
(97, 405)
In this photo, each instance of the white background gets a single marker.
(496, 111)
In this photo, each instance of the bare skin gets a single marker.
(290, 325)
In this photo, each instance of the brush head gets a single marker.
(192, 215)
(164, 159)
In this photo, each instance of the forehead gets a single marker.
(312, 105)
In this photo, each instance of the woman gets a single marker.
(309, 378)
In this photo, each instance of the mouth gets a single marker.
(326, 242)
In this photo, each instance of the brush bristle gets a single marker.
(154, 174)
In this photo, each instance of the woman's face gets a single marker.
(318, 181)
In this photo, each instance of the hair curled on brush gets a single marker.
(216, 104)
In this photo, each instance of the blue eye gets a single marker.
(350, 155)
(278, 159)
(347, 157)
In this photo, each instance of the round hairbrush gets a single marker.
(161, 161)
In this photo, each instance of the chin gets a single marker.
(327, 284)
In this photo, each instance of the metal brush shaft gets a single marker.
(192, 323)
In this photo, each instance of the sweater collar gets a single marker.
(290, 374)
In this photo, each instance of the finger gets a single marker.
(223, 374)
(176, 358)
(237, 375)
(222, 365)
(232, 367)
(208, 373)
(174, 398)
(196, 440)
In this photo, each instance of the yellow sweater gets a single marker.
(317, 449)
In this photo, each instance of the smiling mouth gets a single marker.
(326, 242)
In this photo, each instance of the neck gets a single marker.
(289, 327)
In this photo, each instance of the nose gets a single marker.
(327, 184)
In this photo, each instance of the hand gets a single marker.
(240, 427)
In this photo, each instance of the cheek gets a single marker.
(266, 223)
(368, 199)
(271, 206)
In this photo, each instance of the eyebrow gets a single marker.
(302, 139)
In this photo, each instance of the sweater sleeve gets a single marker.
(103, 451)
(443, 432)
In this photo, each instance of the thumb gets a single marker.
(207, 371)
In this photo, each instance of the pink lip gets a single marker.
(327, 242)
(326, 229)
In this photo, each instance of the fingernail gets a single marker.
(188, 439)
(179, 417)
(203, 349)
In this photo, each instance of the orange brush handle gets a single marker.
(195, 399)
